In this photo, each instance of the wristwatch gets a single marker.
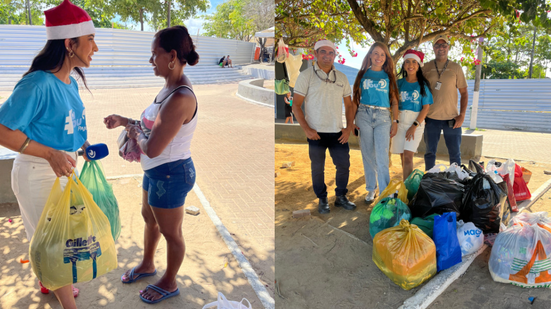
(396, 120)
(416, 123)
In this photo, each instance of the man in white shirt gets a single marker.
(322, 89)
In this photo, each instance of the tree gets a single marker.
(239, 19)
(399, 24)
(14, 12)
(174, 12)
(134, 10)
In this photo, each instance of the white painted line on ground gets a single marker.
(258, 287)
(253, 101)
(437, 285)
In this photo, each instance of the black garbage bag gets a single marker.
(437, 194)
(483, 202)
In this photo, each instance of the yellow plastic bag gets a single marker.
(393, 187)
(72, 242)
(405, 254)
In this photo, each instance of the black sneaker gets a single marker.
(323, 206)
(343, 202)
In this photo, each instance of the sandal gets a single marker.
(165, 294)
(140, 276)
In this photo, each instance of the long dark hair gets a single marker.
(177, 38)
(388, 67)
(51, 58)
(421, 79)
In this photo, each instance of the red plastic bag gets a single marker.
(510, 193)
(519, 187)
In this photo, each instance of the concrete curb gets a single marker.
(253, 90)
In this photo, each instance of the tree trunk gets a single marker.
(168, 15)
(532, 55)
(141, 17)
(30, 19)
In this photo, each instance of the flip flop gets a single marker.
(140, 276)
(165, 294)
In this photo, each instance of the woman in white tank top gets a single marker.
(164, 135)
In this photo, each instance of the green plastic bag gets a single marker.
(387, 213)
(281, 86)
(412, 183)
(426, 225)
(93, 178)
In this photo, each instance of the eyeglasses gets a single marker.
(324, 52)
(327, 80)
(443, 45)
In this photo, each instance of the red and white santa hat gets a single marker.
(67, 21)
(414, 54)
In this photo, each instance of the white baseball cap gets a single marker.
(322, 43)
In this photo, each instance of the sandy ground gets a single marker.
(208, 266)
(325, 261)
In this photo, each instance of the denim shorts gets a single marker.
(168, 184)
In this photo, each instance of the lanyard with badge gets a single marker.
(438, 83)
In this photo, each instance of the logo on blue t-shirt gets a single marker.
(381, 85)
(72, 123)
(410, 96)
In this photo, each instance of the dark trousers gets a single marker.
(432, 137)
(340, 153)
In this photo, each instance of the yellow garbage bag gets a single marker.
(72, 242)
(394, 186)
(405, 254)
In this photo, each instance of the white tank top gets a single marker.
(179, 147)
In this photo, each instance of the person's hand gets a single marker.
(459, 121)
(393, 129)
(85, 156)
(410, 133)
(112, 121)
(312, 134)
(133, 131)
(62, 163)
(345, 134)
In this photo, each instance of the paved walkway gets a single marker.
(526, 146)
(233, 151)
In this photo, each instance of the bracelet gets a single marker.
(416, 123)
(25, 144)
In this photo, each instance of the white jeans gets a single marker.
(32, 179)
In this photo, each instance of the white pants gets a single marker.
(32, 179)
(399, 143)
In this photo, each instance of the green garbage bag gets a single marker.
(93, 178)
(412, 183)
(425, 224)
(387, 213)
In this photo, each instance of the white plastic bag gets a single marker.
(506, 168)
(520, 256)
(438, 168)
(223, 303)
(470, 237)
(282, 51)
(462, 174)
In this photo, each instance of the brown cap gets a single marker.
(440, 37)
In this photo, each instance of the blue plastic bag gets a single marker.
(448, 250)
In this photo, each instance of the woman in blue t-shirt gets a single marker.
(415, 101)
(375, 93)
(44, 118)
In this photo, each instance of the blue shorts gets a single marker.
(168, 184)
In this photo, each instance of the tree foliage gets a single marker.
(399, 24)
(239, 19)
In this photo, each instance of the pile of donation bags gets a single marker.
(451, 210)
(75, 240)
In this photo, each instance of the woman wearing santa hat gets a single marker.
(415, 101)
(164, 134)
(44, 117)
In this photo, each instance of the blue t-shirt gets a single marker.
(375, 89)
(410, 96)
(47, 110)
